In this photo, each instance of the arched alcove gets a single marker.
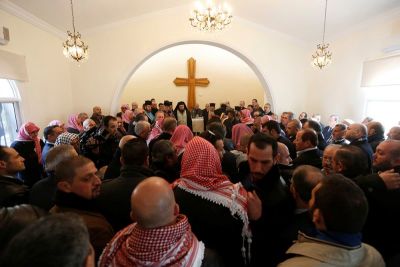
(233, 77)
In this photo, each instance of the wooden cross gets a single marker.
(191, 82)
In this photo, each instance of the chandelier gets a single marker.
(322, 57)
(211, 18)
(74, 47)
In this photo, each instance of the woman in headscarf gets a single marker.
(182, 135)
(74, 124)
(29, 146)
(216, 208)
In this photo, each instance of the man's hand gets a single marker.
(391, 179)
(254, 206)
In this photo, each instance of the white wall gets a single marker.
(47, 94)
(117, 51)
(337, 89)
(231, 79)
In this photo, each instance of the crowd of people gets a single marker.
(252, 189)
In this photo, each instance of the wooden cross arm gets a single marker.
(202, 82)
(181, 81)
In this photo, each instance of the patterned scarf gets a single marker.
(156, 130)
(202, 176)
(246, 116)
(127, 116)
(182, 135)
(239, 130)
(66, 139)
(24, 135)
(172, 245)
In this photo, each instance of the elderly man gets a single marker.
(292, 128)
(356, 133)
(327, 159)
(394, 133)
(339, 210)
(142, 130)
(77, 187)
(12, 190)
(156, 216)
(97, 117)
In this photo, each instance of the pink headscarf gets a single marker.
(24, 135)
(73, 123)
(156, 131)
(238, 130)
(127, 116)
(246, 116)
(265, 119)
(181, 137)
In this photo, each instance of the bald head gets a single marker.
(153, 203)
(394, 133)
(125, 139)
(283, 154)
(356, 131)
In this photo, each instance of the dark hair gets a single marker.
(66, 169)
(342, 204)
(140, 117)
(310, 135)
(378, 127)
(211, 136)
(302, 183)
(169, 124)
(161, 149)
(353, 159)
(218, 128)
(303, 121)
(58, 154)
(15, 219)
(56, 240)
(135, 152)
(341, 126)
(107, 119)
(261, 141)
(49, 130)
(273, 125)
(3, 153)
(314, 125)
(119, 115)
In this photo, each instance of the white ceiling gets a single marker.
(302, 19)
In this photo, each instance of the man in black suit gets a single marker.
(307, 151)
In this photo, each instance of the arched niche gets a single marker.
(232, 76)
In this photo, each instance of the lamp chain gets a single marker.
(323, 36)
(73, 18)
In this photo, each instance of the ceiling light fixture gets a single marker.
(322, 57)
(74, 47)
(210, 18)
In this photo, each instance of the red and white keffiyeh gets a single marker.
(201, 175)
(239, 130)
(172, 245)
(156, 130)
(245, 116)
(24, 135)
(182, 135)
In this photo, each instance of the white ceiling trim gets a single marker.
(30, 18)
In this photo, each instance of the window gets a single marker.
(9, 111)
(382, 104)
